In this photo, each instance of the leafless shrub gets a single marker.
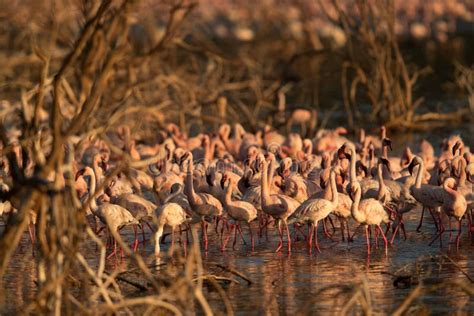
(375, 71)
(465, 81)
(88, 93)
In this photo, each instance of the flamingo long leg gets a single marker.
(224, 244)
(236, 231)
(326, 233)
(172, 240)
(418, 228)
(310, 237)
(341, 223)
(216, 220)
(459, 233)
(367, 238)
(395, 232)
(114, 252)
(376, 237)
(251, 236)
(239, 229)
(403, 229)
(296, 230)
(384, 239)
(186, 241)
(260, 225)
(280, 234)
(143, 232)
(100, 230)
(439, 235)
(149, 226)
(135, 243)
(288, 237)
(221, 238)
(347, 229)
(32, 235)
(332, 224)
(389, 224)
(353, 234)
(180, 234)
(436, 222)
(316, 243)
(204, 234)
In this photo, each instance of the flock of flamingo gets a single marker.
(263, 180)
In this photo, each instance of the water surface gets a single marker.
(286, 284)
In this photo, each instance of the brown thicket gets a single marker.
(374, 70)
(83, 91)
(196, 67)
(465, 81)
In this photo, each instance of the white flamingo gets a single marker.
(368, 212)
(313, 211)
(238, 211)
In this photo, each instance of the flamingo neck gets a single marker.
(355, 206)
(174, 194)
(453, 193)
(271, 172)
(225, 139)
(167, 162)
(265, 194)
(462, 173)
(389, 175)
(189, 185)
(335, 195)
(228, 194)
(207, 151)
(239, 133)
(353, 176)
(243, 183)
(328, 193)
(382, 186)
(98, 174)
(370, 160)
(309, 149)
(362, 136)
(419, 174)
(92, 189)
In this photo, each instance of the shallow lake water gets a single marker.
(289, 284)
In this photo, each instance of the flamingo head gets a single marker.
(354, 187)
(185, 158)
(450, 183)
(224, 131)
(80, 173)
(210, 178)
(362, 168)
(387, 142)
(285, 167)
(224, 178)
(342, 154)
(457, 146)
(414, 162)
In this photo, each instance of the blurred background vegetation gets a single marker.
(401, 63)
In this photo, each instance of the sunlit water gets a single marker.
(286, 284)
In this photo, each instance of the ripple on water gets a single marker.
(286, 284)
